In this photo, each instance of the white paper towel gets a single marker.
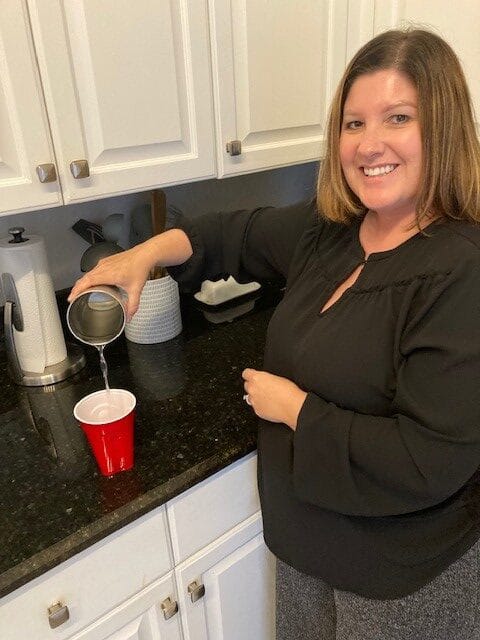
(41, 343)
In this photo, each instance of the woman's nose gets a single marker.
(371, 144)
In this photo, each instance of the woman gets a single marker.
(369, 441)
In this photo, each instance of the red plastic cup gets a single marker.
(106, 418)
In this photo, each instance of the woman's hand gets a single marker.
(128, 270)
(273, 398)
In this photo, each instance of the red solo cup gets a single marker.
(106, 418)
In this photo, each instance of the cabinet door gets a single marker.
(457, 22)
(128, 89)
(275, 66)
(24, 140)
(237, 572)
(140, 618)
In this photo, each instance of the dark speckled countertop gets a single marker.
(191, 421)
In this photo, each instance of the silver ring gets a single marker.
(246, 397)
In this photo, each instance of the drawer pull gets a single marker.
(169, 608)
(58, 613)
(47, 172)
(80, 169)
(234, 148)
(196, 590)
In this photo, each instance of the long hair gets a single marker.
(450, 178)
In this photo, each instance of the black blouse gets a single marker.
(376, 491)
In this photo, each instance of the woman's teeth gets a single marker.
(379, 171)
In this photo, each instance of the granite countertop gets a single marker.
(191, 421)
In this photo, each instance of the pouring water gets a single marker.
(103, 365)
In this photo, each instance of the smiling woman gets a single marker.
(369, 397)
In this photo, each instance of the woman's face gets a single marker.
(380, 142)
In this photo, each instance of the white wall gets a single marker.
(65, 248)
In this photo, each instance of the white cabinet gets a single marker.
(457, 22)
(225, 574)
(149, 615)
(91, 583)
(205, 512)
(123, 96)
(125, 587)
(25, 139)
(128, 90)
(275, 66)
(227, 591)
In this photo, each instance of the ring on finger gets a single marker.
(246, 397)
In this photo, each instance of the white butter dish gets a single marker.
(215, 293)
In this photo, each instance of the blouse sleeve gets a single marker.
(429, 445)
(247, 244)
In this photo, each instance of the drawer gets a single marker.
(212, 507)
(91, 582)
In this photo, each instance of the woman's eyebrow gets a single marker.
(388, 107)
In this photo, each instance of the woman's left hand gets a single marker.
(272, 397)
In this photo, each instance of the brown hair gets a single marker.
(450, 182)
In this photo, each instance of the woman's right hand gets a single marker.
(128, 270)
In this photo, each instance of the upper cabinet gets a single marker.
(25, 140)
(128, 92)
(275, 67)
(105, 98)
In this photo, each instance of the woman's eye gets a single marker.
(353, 124)
(400, 118)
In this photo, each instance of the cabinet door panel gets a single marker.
(237, 572)
(456, 22)
(229, 497)
(275, 67)
(25, 141)
(139, 618)
(129, 90)
(244, 601)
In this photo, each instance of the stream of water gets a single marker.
(103, 365)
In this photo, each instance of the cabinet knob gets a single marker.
(80, 169)
(58, 613)
(196, 590)
(169, 608)
(234, 148)
(47, 172)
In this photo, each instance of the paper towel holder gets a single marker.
(13, 317)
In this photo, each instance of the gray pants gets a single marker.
(445, 609)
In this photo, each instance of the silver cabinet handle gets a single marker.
(234, 148)
(47, 172)
(169, 608)
(58, 613)
(80, 169)
(196, 590)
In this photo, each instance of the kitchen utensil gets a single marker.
(35, 344)
(114, 229)
(97, 316)
(140, 225)
(97, 251)
(107, 418)
(159, 221)
(89, 231)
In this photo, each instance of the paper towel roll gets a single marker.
(41, 343)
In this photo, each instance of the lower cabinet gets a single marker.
(152, 614)
(197, 569)
(226, 591)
